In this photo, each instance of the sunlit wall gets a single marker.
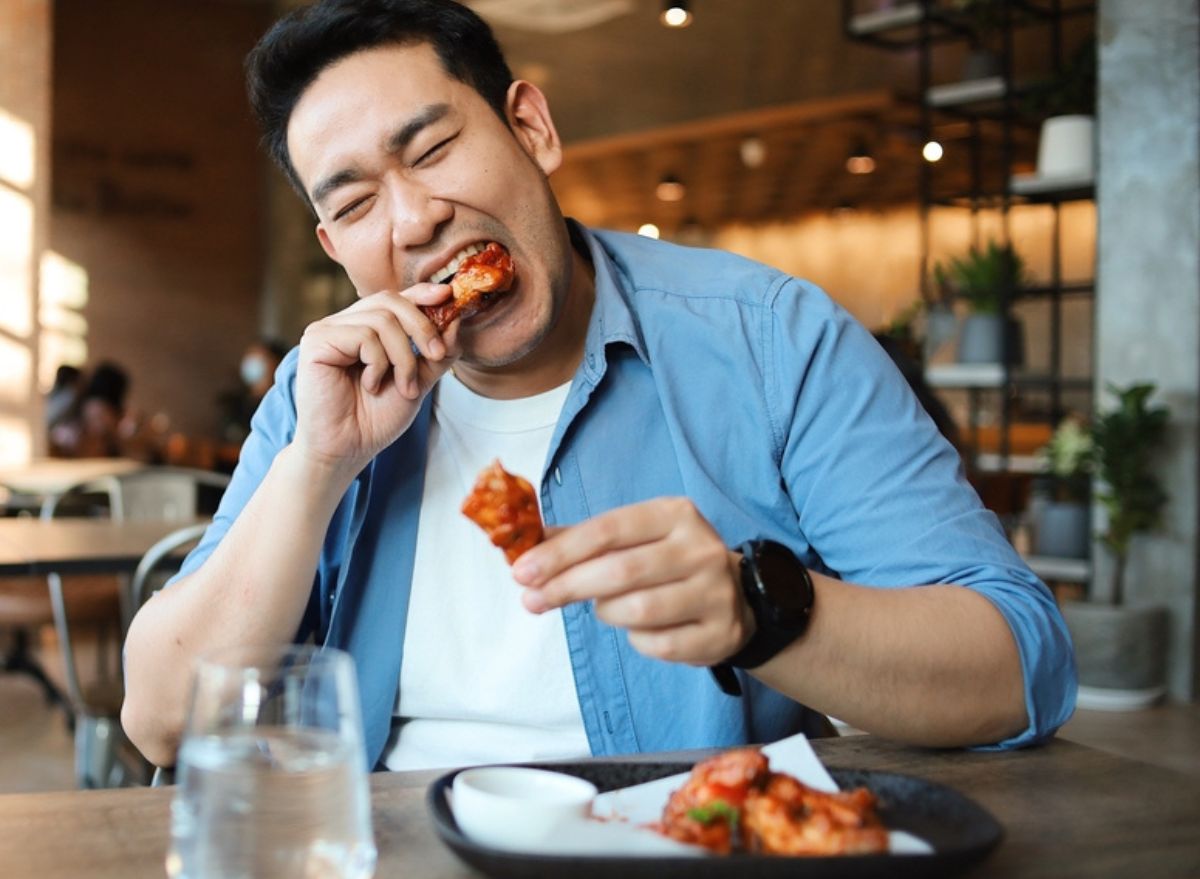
(25, 46)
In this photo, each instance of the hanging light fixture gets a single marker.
(932, 151)
(753, 151)
(860, 160)
(670, 188)
(676, 13)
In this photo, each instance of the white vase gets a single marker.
(1067, 147)
(1061, 530)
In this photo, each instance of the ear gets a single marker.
(327, 244)
(529, 118)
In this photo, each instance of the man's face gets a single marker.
(407, 166)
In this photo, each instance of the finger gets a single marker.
(624, 527)
(395, 341)
(329, 344)
(662, 606)
(415, 324)
(616, 573)
(691, 644)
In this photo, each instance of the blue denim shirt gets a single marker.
(753, 394)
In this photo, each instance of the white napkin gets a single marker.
(623, 813)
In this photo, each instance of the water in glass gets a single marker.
(282, 799)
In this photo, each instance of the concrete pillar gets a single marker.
(25, 63)
(1148, 279)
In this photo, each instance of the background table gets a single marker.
(50, 477)
(76, 546)
(1068, 811)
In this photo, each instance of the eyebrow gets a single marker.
(396, 142)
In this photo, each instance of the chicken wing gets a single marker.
(505, 507)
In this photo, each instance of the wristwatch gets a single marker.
(779, 592)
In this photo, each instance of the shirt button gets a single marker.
(591, 360)
(558, 476)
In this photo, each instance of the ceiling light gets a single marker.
(675, 13)
(860, 160)
(932, 151)
(753, 151)
(649, 230)
(670, 189)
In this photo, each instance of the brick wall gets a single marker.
(158, 192)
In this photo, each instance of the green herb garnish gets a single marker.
(717, 810)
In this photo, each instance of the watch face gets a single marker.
(784, 584)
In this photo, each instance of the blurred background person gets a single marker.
(91, 428)
(63, 398)
(257, 373)
(101, 425)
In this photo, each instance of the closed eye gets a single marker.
(353, 208)
(432, 151)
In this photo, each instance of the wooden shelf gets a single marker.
(991, 375)
(1034, 188)
(881, 21)
(970, 91)
(994, 462)
(965, 375)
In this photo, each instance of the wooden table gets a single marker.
(53, 476)
(75, 546)
(1068, 811)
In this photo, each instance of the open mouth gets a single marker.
(478, 275)
(446, 272)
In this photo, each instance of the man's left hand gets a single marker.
(657, 569)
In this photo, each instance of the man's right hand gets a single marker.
(359, 383)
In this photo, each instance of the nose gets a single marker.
(416, 213)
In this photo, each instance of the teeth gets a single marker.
(444, 274)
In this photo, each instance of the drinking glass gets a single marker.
(271, 773)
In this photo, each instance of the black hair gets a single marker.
(67, 375)
(275, 347)
(303, 43)
(108, 382)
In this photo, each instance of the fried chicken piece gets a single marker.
(505, 507)
(734, 803)
(705, 811)
(789, 818)
(480, 279)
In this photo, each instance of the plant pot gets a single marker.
(941, 326)
(1067, 147)
(982, 340)
(1061, 530)
(1121, 654)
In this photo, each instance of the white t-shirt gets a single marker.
(482, 680)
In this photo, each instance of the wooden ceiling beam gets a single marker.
(749, 122)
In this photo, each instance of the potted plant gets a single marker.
(1060, 507)
(941, 324)
(986, 280)
(1121, 649)
(1066, 103)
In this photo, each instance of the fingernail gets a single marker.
(437, 349)
(534, 601)
(525, 570)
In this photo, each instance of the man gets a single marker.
(669, 404)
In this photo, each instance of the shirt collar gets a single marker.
(612, 319)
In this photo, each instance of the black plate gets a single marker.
(960, 831)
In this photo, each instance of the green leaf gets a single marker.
(717, 810)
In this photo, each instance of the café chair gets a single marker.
(103, 755)
(151, 574)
